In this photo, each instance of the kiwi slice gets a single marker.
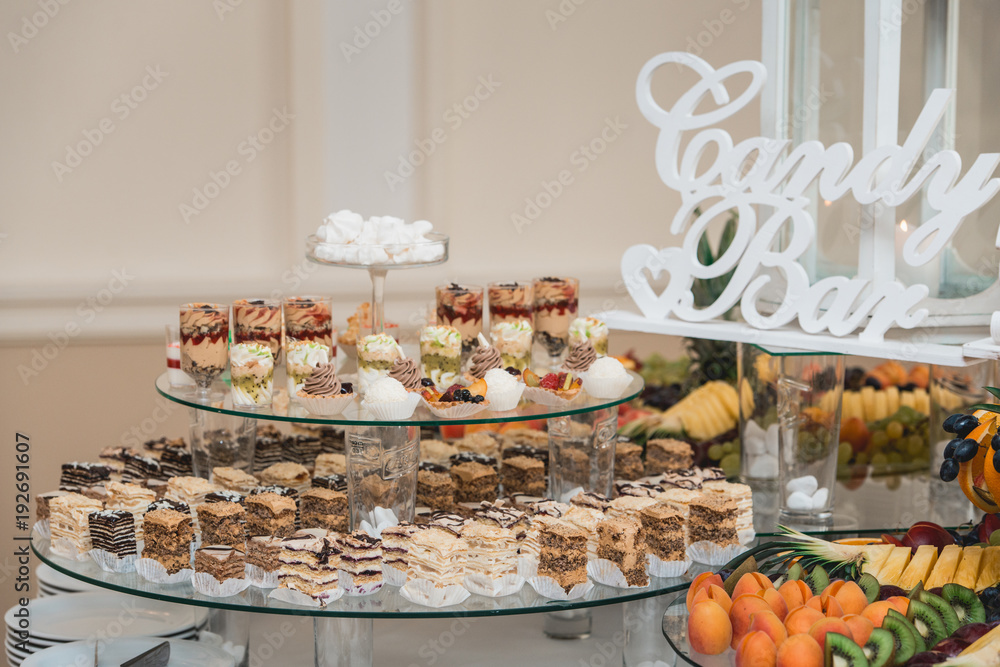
(748, 565)
(928, 624)
(965, 603)
(918, 641)
(841, 651)
(880, 648)
(903, 643)
(915, 592)
(869, 584)
(817, 579)
(795, 572)
(944, 610)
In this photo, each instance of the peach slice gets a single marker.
(826, 604)
(756, 649)
(900, 603)
(709, 629)
(716, 594)
(770, 624)
(796, 592)
(778, 604)
(876, 611)
(861, 628)
(799, 620)
(800, 651)
(851, 598)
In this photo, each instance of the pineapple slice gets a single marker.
(857, 408)
(906, 400)
(894, 565)
(946, 567)
(892, 399)
(967, 573)
(921, 401)
(868, 404)
(878, 554)
(989, 573)
(919, 568)
(881, 405)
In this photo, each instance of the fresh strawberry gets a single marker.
(550, 381)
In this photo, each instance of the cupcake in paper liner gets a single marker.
(259, 577)
(606, 378)
(713, 554)
(426, 594)
(206, 584)
(323, 393)
(43, 529)
(111, 562)
(154, 572)
(345, 582)
(581, 357)
(456, 410)
(666, 568)
(478, 583)
(608, 573)
(503, 390)
(302, 357)
(292, 596)
(388, 400)
(548, 587)
(527, 567)
(393, 576)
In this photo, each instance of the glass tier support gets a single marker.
(230, 631)
(343, 642)
(644, 643)
(382, 472)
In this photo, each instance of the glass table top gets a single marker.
(386, 603)
(356, 415)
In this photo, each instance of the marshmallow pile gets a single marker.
(385, 240)
(804, 494)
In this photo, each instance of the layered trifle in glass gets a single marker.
(461, 306)
(556, 305)
(204, 341)
(258, 321)
(510, 302)
(310, 318)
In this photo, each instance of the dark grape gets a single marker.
(346, 388)
(995, 442)
(996, 459)
(966, 450)
(965, 425)
(949, 470)
(949, 423)
(854, 378)
(873, 382)
(949, 449)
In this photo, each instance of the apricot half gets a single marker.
(703, 580)
(756, 649)
(799, 620)
(861, 628)
(796, 592)
(743, 607)
(800, 651)
(767, 622)
(709, 629)
(751, 582)
(715, 594)
(821, 628)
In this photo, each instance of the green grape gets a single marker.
(894, 430)
(715, 452)
(894, 482)
(914, 445)
(895, 458)
(844, 452)
(880, 459)
(730, 465)
(727, 448)
(878, 439)
(861, 458)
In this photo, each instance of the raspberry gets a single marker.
(550, 381)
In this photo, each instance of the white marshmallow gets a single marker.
(799, 501)
(753, 438)
(820, 497)
(806, 484)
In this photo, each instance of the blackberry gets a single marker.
(426, 382)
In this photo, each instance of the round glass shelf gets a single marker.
(674, 627)
(380, 257)
(355, 415)
(386, 603)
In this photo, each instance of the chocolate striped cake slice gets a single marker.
(113, 531)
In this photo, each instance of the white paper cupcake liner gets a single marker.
(153, 572)
(606, 387)
(393, 576)
(292, 596)
(325, 406)
(110, 562)
(64, 547)
(393, 411)
(345, 582)
(206, 584)
(259, 577)
(480, 584)
(546, 397)
(666, 568)
(43, 528)
(746, 536)
(426, 594)
(712, 554)
(547, 587)
(504, 400)
(527, 566)
(606, 572)
(459, 411)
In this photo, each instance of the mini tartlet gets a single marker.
(456, 401)
(552, 389)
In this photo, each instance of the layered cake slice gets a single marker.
(620, 541)
(628, 459)
(333, 481)
(324, 508)
(563, 554)
(503, 516)
(130, 498)
(302, 449)
(269, 514)
(308, 563)
(585, 519)
(175, 460)
(523, 474)
(68, 519)
(169, 534)
(663, 530)
(638, 489)
(42, 501)
(167, 504)
(220, 561)
(267, 450)
(435, 487)
(436, 451)
(140, 468)
(113, 531)
(224, 497)
(395, 545)
(629, 506)
(668, 455)
(232, 479)
(361, 557)
(330, 464)
(492, 551)
(263, 551)
(293, 475)
(531, 545)
(591, 500)
(680, 499)
(222, 523)
(190, 490)
(76, 475)
(474, 482)
(439, 556)
(712, 519)
(741, 494)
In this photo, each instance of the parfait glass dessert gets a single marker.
(251, 366)
(310, 318)
(301, 359)
(258, 321)
(441, 355)
(461, 306)
(510, 302)
(513, 341)
(589, 330)
(556, 305)
(204, 345)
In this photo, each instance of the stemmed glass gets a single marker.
(204, 345)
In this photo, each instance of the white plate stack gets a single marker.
(62, 619)
(116, 651)
(54, 582)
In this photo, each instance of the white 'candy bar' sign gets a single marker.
(767, 174)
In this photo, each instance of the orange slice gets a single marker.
(969, 471)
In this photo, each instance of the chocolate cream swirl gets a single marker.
(406, 372)
(323, 381)
(485, 358)
(580, 358)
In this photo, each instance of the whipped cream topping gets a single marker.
(583, 328)
(445, 337)
(323, 381)
(308, 353)
(607, 368)
(386, 390)
(500, 380)
(376, 345)
(243, 354)
(581, 357)
(515, 331)
(406, 372)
